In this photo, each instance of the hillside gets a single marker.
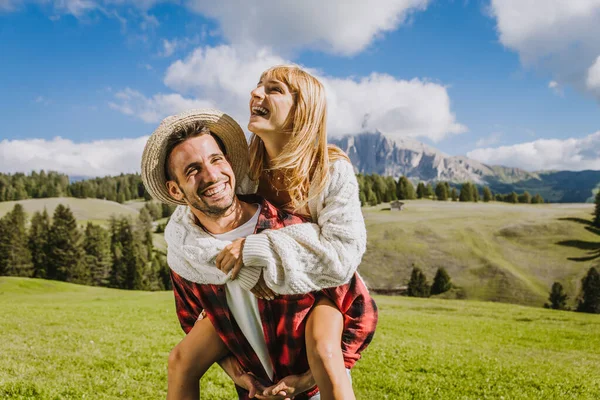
(494, 251)
(93, 210)
(109, 344)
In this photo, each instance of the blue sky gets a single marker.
(511, 82)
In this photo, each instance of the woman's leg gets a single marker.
(324, 349)
(191, 358)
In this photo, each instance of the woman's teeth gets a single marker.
(259, 111)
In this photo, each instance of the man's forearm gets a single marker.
(231, 366)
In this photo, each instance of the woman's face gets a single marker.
(271, 103)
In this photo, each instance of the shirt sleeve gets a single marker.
(187, 301)
(312, 256)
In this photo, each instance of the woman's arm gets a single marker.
(305, 257)
(191, 251)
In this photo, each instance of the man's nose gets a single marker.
(211, 174)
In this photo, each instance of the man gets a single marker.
(197, 158)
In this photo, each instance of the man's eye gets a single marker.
(191, 171)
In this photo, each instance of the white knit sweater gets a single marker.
(295, 259)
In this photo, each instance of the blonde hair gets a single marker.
(305, 158)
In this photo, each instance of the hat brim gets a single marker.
(155, 152)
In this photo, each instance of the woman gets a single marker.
(297, 171)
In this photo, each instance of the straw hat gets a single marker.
(155, 152)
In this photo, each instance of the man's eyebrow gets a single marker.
(190, 165)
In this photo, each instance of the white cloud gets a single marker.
(493, 138)
(593, 76)
(223, 76)
(171, 46)
(574, 154)
(336, 26)
(556, 36)
(97, 158)
(152, 110)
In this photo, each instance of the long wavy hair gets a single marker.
(304, 160)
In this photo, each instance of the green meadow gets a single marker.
(494, 251)
(85, 210)
(65, 341)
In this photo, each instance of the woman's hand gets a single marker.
(261, 290)
(230, 258)
(289, 387)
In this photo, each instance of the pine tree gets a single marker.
(129, 256)
(590, 293)
(96, 245)
(537, 199)
(597, 210)
(474, 192)
(66, 259)
(454, 194)
(15, 257)
(512, 198)
(429, 190)
(420, 190)
(39, 236)
(558, 298)
(441, 191)
(465, 192)
(525, 198)
(487, 194)
(417, 286)
(441, 282)
(405, 189)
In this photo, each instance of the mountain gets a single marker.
(376, 153)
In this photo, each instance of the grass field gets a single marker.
(64, 341)
(93, 210)
(494, 251)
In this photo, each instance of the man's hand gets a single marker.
(230, 258)
(261, 290)
(289, 387)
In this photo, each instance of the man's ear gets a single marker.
(174, 191)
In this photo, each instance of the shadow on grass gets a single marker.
(593, 248)
(578, 220)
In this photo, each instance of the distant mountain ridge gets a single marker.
(376, 153)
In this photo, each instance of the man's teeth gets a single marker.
(215, 190)
(260, 110)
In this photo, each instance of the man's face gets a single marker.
(205, 179)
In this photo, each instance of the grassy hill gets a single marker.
(93, 210)
(495, 251)
(62, 340)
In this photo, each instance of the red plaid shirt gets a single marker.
(283, 319)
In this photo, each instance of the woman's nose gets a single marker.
(258, 92)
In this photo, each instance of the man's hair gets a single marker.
(182, 134)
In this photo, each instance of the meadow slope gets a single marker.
(68, 341)
(494, 251)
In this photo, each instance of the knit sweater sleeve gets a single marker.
(312, 256)
(191, 252)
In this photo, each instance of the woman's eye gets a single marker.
(277, 89)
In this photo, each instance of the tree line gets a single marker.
(121, 256)
(588, 300)
(376, 189)
(43, 184)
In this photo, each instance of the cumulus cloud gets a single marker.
(593, 77)
(493, 138)
(97, 158)
(574, 154)
(557, 36)
(153, 109)
(224, 76)
(336, 26)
